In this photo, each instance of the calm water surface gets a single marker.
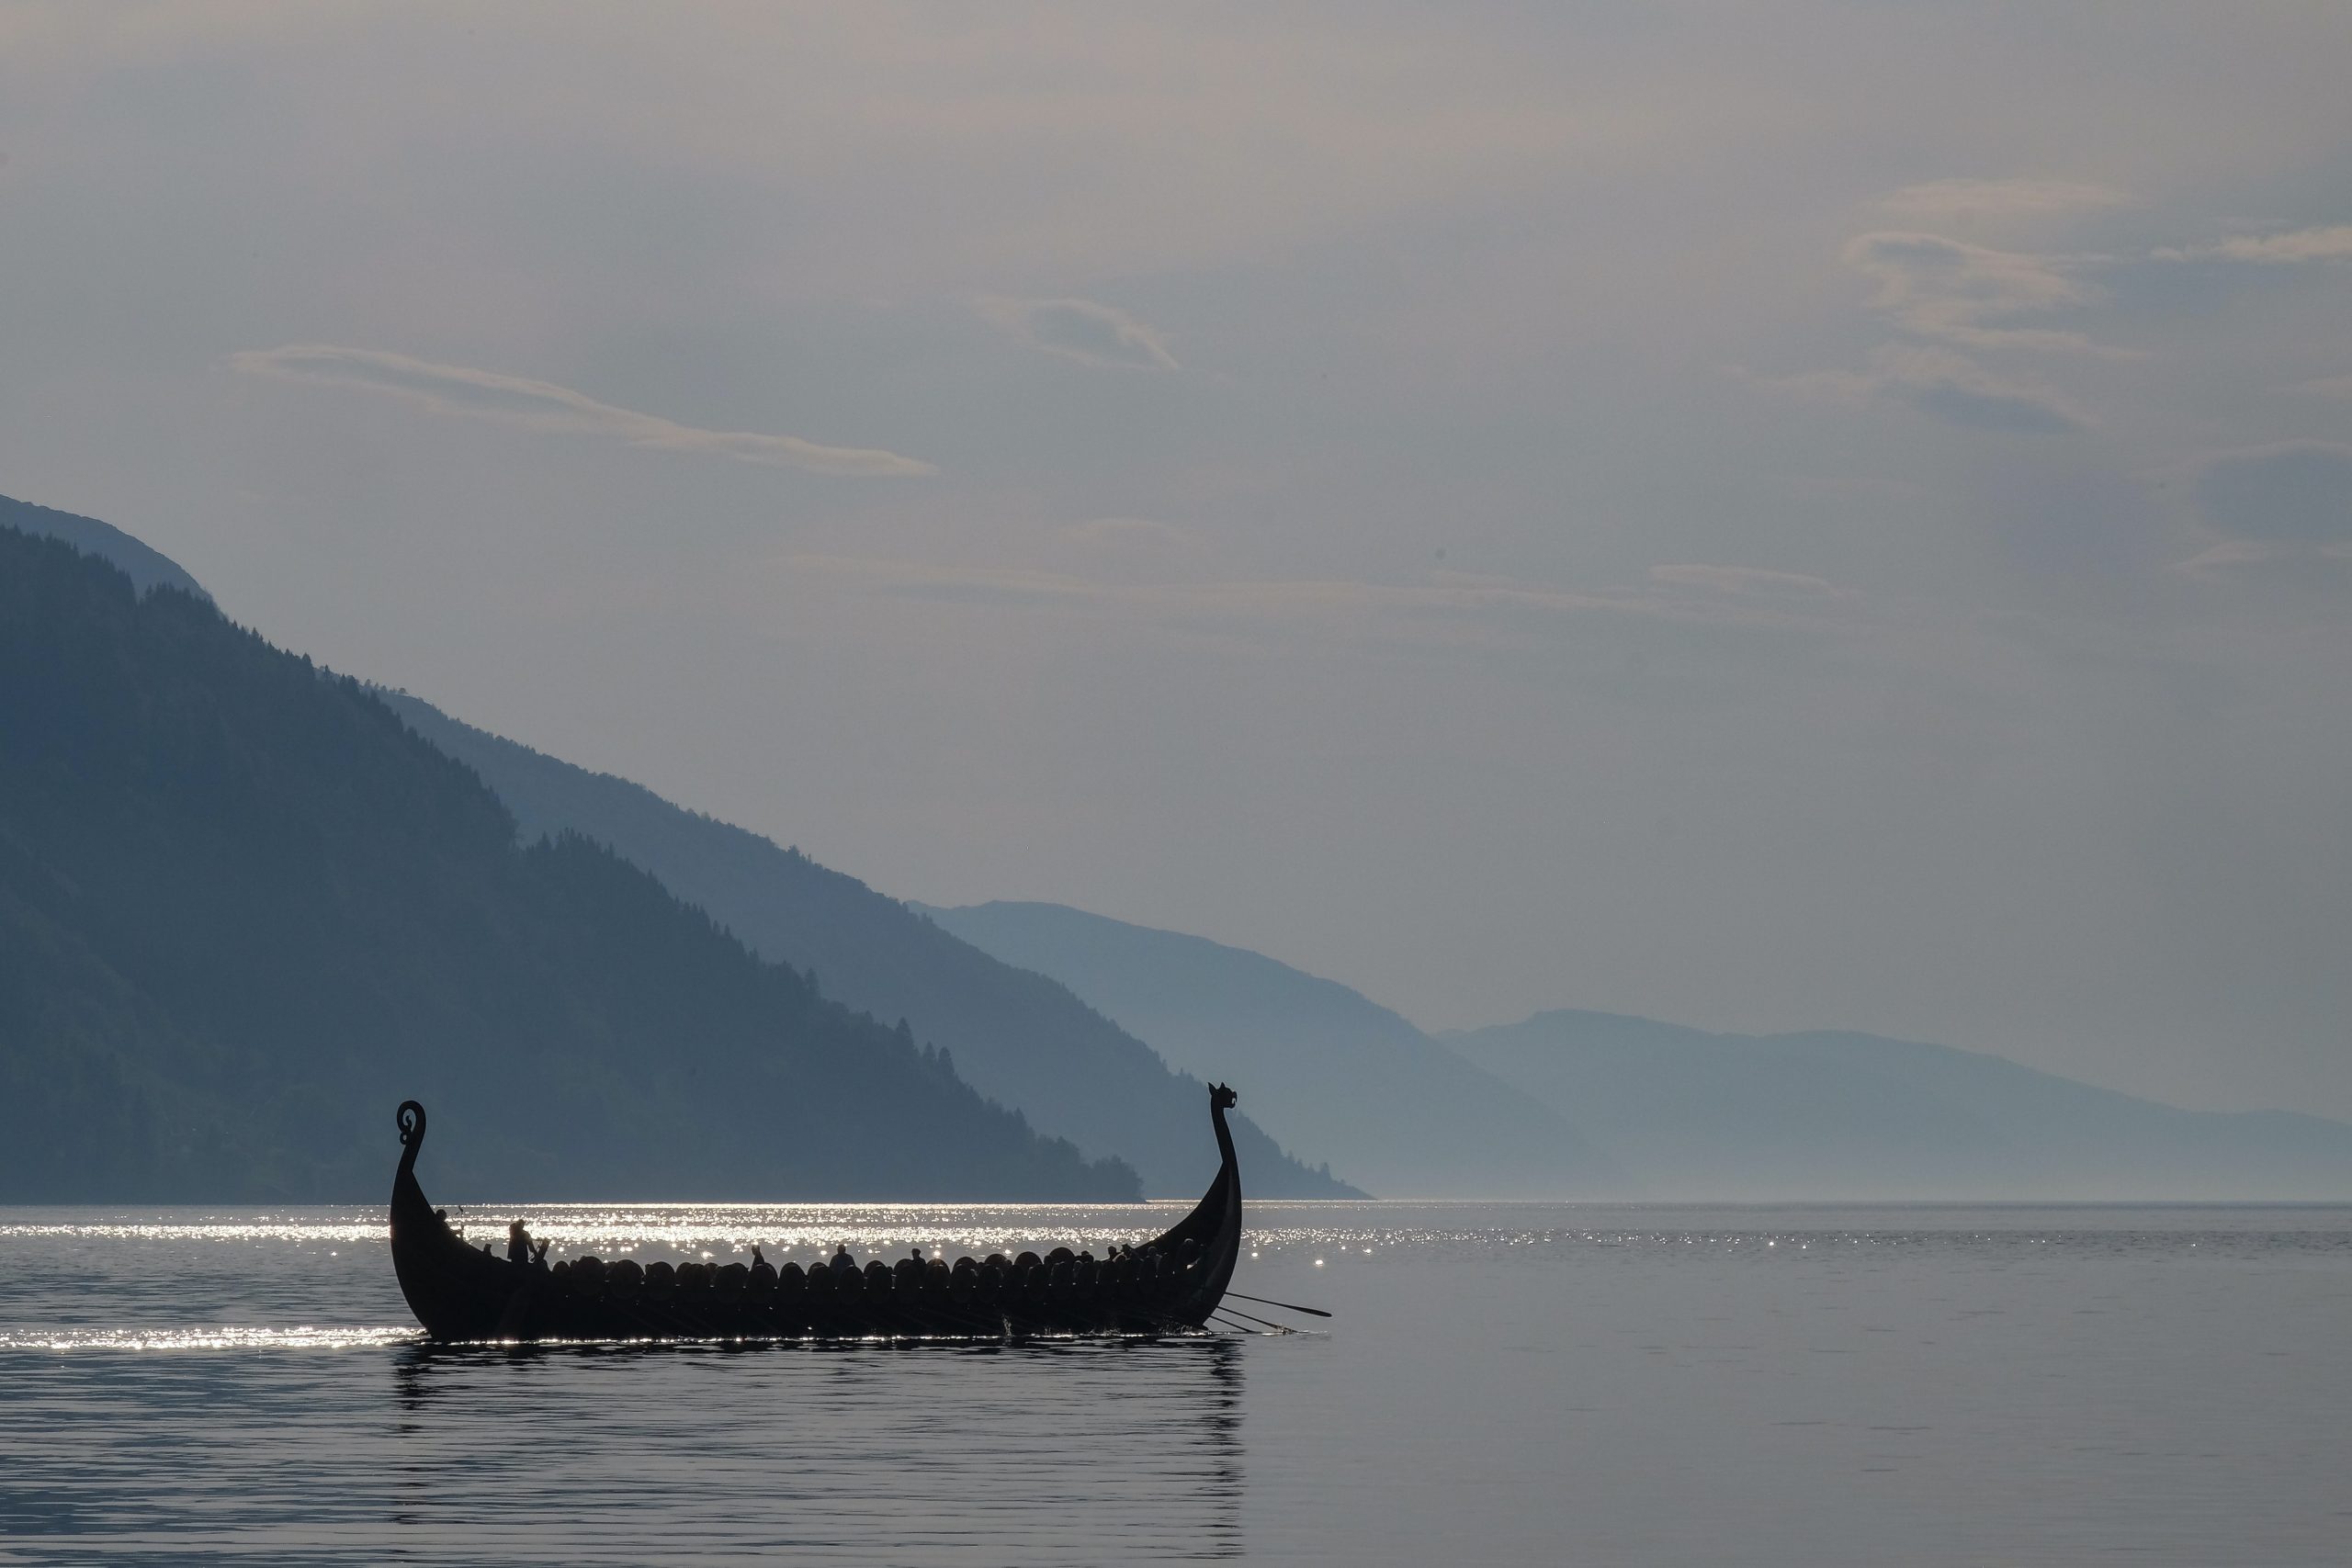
(1504, 1383)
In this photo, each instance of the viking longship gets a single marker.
(463, 1293)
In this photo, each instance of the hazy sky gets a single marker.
(1768, 516)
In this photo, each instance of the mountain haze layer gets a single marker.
(1834, 1115)
(1018, 1037)
(245, 910)
(1655, 1111)
(1338, 1072)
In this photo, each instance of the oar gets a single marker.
(1237, 1312)
(1261, 1301)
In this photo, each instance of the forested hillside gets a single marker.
(244, 911)
(1018, 1037)
(145, 565)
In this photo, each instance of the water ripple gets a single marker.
(1833, 1386)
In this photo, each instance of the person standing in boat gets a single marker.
(843, 1263)
(518, 1243)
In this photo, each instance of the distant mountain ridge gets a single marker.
(244, 911)
(1394, 1109)
(1659, 1111)
(1834, 1115)
(1021, 1038)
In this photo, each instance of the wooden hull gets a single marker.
(464, 1294)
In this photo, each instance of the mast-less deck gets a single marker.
(1167, 1285)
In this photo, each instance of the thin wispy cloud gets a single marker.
(1961, 200)
(463, 392)
(2330, 243)
(1944, 385)
(1084, 330)
(1967, 294)
(1750, 580)
(1300, 603)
